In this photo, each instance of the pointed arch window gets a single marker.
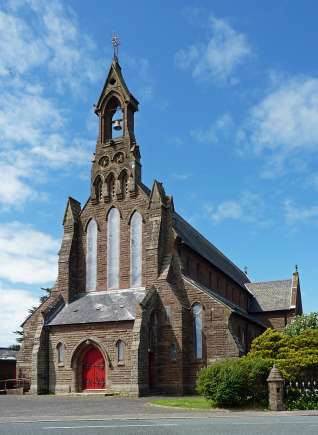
(197, 315)
(60, 353)
(123, 179)
(111, 187)
(113, 119)
(98, 189)
(113, 247)
(135, 249)
(120, 350)
(91, 256)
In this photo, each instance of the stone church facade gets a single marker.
(142, 300)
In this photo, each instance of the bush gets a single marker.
(235, 382)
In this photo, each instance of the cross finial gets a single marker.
(296, 267)
(115, 44)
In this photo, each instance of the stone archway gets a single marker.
(89, 367)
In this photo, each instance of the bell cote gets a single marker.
(116, 108)
(116, 169)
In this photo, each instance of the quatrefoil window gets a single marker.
(104, 161)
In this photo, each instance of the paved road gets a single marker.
(269, 425)
(90, 415)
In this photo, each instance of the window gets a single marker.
(120, 346)
(98, 189)
(113, 246)
(91, 256)
(173, 352)
(167, 312)
(135, 249)
(60, 353)
(123, 179)
(197, 314)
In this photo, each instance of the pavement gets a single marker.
(87, 415)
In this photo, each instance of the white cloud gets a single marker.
(15, 304)
(181, 177)
(34, 138)
(219, 130)
(14, 187)
(27, 255)
(298, 213)
(249, 207)
(219, 57)
(283, 126)
(40, 43)
(27, 118)
(55, 41)
(17, 39)
(226, 210)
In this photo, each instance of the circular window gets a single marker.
(112, 81)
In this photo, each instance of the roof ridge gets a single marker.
(231, 305)
(213, 246)
(266, 282)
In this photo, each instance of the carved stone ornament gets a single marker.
(104, 161)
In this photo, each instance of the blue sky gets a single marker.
(228, 121)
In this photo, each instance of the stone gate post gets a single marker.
(276, 390)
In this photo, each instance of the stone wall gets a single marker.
(202, 271)
(276, 319)
(66, 377)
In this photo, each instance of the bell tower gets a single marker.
(116, 167)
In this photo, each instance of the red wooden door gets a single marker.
(93, 370)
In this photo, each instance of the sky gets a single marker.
(228, 121)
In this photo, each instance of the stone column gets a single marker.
(276, 390)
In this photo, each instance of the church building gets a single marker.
(142, 300)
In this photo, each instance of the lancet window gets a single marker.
(113, 248)
(136, 249)
(197, 315)
(60, 353)
(91, 256)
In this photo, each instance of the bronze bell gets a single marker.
(117, 125)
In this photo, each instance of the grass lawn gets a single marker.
(190, 402)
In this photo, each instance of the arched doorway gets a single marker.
(93, 369)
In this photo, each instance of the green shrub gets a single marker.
(291, 354)
(235, 382)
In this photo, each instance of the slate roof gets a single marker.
(8, 354)
(95, 307)
(201, 245)
(270, 296)
(229, 304)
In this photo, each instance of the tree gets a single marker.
(31, 310)
(301, 323)
(291, 354)
(14, 347)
